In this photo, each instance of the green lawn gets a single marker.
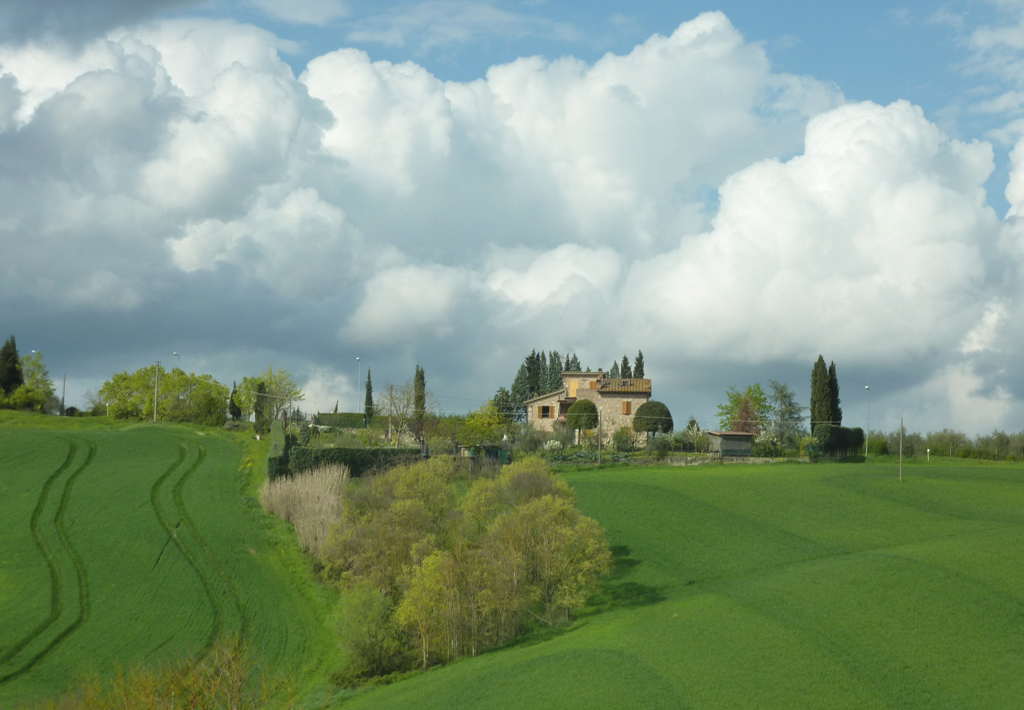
(140, 545)
(784, 586)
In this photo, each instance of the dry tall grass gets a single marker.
(311, 501)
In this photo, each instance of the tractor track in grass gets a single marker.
(222, 573)
(55, 583)
(76, 561)
(154, 499)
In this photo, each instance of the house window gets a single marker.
(627, 407)
(544, 412)
(625, 383)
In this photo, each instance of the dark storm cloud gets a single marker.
(75, 21)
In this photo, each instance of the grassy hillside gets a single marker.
(778, 587)
(139, 545)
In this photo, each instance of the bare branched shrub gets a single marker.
(311, 501)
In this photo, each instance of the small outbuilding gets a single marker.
(731, 443)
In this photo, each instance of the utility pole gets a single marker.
(156, 390)
(901, 449)
(867, 434)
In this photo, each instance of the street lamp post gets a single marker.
(867, 434)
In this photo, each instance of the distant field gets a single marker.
(135, 545)
(790, 586)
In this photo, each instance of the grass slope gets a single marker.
(778, 587)
(139, 545)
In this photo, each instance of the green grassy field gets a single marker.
(139, 545)
(784, 586)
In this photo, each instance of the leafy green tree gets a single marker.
(262, 409)
(638, 364)
(484, 426)
(10, 367)
(786, 415)
(744, 411)
(624, 370)
(615, 373)
(368, 401)
(36, 389)
(574, 364)
(582, 415)
(652, 417)
(280, 392)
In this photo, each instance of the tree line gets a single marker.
(777, 421)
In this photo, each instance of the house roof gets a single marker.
(539, 397)
(628, 384)
(734, 434)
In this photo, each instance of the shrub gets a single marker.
(342, 420)
(277, 457)
(311, 501)
(358, 461)
(622, 440)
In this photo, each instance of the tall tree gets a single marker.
(233, 409)
(744, 411)
(574, 364)
(368, 401)
(787, 419)
(10, 367)
(615, 373)
(554, 381)
(419, 403)
(262, 408)
(638, 364)
(821, 398)
(833, 396)
(624, 369)
(520, 392)
(533, 373)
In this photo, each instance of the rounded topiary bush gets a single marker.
(582, 415)
(652, 416)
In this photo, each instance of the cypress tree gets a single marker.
(638, 364)
(419, 402)
(233, 409)
(574, 364)
(821, 399)
(368, 402)
(11, 377)
(554, 371)
(624, 369)
(833, 398)
(615, 373)
(533, 373)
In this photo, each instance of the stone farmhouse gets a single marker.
(616, 400)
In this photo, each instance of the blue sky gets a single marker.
(730, 189)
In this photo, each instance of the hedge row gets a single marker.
(839, 440)
(358, 461)
(341, 420)
(277, 457)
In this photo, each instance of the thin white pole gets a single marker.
(901, 449)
